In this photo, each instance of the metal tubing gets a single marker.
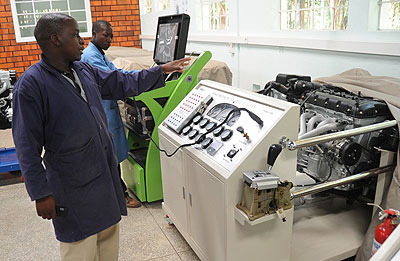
(335, 183)
(292, 145)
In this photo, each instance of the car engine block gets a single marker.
(7, 81)
(327, 109)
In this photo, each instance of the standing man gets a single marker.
(57, 107)
(102, 35)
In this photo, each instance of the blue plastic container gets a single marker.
(8, 160)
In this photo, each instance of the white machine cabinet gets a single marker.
(202, 183)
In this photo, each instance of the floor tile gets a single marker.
(170, 231)
(189, 255)
(25, 236)
(174, 257)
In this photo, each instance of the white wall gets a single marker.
(256, 50)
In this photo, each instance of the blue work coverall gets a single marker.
(80, 164)
(93, 56)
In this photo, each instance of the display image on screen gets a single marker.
(166, 41)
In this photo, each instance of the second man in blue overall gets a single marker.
(102, 35)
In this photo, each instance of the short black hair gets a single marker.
(49, 24)
(97, 25)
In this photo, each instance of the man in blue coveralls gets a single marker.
(57, 105)
(102, 33)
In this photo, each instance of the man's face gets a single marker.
(103, 37)
(71, 43)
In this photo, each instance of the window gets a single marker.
(26, 13)
(314, 14)
(147, 6)
(215, 15)
(163, 4)
(389, 14)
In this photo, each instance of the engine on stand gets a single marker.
(7, 81)
(327, 109)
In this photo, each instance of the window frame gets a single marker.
(145, 7)
(17, 28)
(209, 17)
(380, 3)
(161, 2)
(312, 8)
(361, 36)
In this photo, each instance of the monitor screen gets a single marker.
(166, 42)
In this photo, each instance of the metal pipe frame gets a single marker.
(335, 183)
(293, 145)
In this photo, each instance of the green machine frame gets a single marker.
(145, 181)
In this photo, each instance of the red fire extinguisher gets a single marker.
(383, 230)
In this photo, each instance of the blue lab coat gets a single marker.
(92, 55)
(80, 164)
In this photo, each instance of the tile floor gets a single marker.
(144, 233)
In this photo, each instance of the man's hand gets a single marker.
(46, 207)
(175, 66)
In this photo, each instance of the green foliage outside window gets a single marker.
(314, 14)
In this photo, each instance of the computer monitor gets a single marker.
(171, 38)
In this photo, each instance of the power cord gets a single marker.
(251, 114)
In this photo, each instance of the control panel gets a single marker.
(191, 104)
(201, 118)
(229, 134)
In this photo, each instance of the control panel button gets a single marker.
(218, 131)
(231, 153)
(192, 134)
(226, 134)
(204, 123)
(199, 138)
(197, 119)
(210, 126)
(206, 142)
(186, 130)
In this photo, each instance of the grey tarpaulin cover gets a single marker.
(387, 89)
(130, 58)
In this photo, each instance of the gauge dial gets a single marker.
(214, 111)
(197, 119)
(193, 133)
(226, 134)
(233, 118)
(218, 131)
(186, 130)
(224, 113)
(203, 123)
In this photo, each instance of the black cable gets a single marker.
(251, 114)
(308, 97)
(148, 134)
(266, 89)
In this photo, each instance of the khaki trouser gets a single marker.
(101, 246)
